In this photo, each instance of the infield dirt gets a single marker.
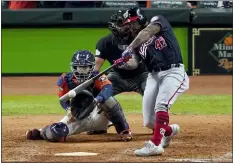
(201, 136)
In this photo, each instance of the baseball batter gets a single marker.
(156, 43)
(92, 109)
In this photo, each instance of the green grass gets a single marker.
(50, 50)
(186, 104)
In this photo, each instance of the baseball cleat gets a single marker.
(150, 149)
(33, 134)
(166, 140)
(126, 135)
(96, 132)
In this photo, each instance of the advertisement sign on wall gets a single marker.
(212, 51)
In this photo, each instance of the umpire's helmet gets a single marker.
(116, 26)
(82, 65)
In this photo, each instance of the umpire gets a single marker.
(130, 77)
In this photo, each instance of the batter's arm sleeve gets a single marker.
(104, 86)
(131, 64)
(62, 90)
(161, 21)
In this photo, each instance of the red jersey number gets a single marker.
(160, 43)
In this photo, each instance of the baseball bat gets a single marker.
(82, 86)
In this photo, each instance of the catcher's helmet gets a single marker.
(116, 26)
(82, 65)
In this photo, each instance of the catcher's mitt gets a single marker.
(82, 105)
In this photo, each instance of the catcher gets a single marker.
(84, 112)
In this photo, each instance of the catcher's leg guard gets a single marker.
(56, 132)
(114, 113)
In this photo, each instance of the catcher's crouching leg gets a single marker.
(56, 132)
(114, 113)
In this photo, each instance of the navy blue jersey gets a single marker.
(163, 48)
(109, 49)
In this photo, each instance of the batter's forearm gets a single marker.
(145, 35)
(141, 38)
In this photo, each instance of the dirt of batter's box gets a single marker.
(200, 137)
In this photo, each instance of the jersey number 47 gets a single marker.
(160, 43)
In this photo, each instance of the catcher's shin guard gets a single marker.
(114, 113)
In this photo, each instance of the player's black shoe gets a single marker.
(33, 134)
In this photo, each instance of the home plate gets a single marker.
(76, 154)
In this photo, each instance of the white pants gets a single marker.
(94, 121)
(162, 90)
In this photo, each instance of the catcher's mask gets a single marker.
(82, 65)
(135, 19)
(120, 31)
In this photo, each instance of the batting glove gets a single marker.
(127, 54)
(121, 61)
(122, 65)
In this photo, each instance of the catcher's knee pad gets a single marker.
(114, 113)
(56, 132)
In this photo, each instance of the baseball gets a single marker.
(71, 93)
